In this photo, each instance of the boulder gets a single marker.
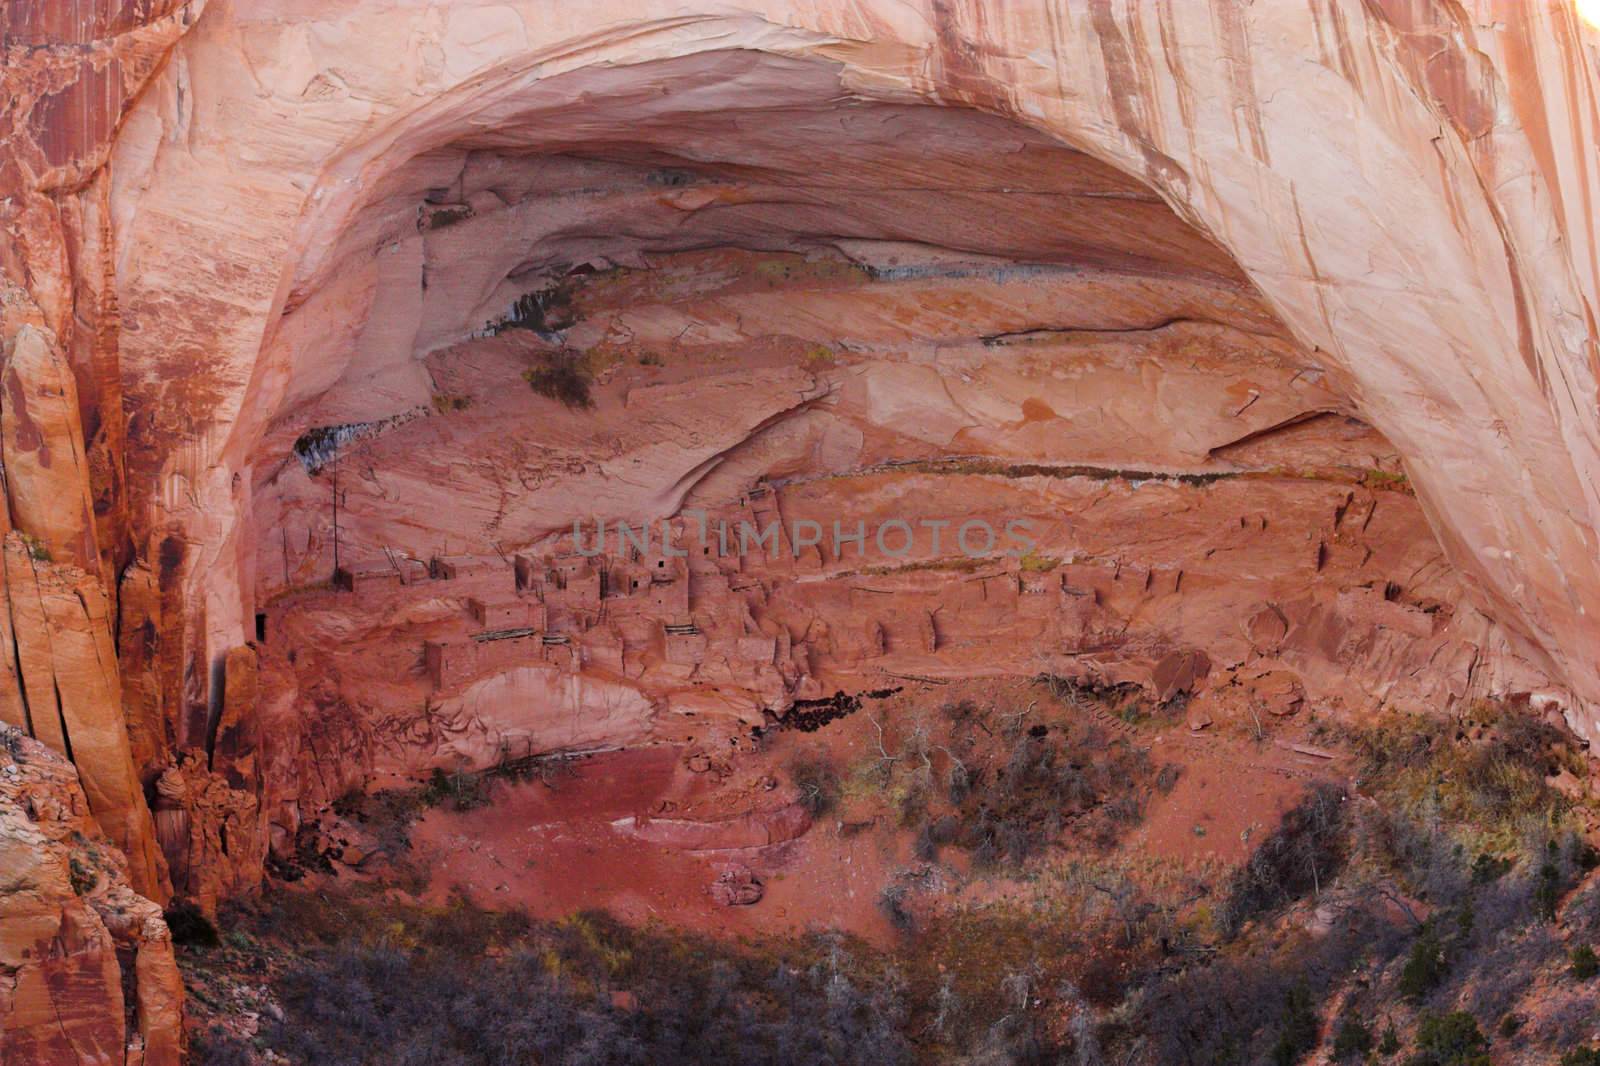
(736, 886)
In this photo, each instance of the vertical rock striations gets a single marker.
(62, 654)
(86, 965)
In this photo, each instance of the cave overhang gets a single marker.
(1365, 200)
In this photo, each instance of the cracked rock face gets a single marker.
(1261, 336)
(86, 964)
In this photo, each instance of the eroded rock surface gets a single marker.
(1271, 323)
(1190, 509)
(1414, 173)
(86, 965)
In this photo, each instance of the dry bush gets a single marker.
(1303, 854)
(562, 377)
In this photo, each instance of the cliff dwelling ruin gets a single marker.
(1054, 505)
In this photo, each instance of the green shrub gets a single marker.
(1353, 1040)
(1450, 1040)
(82, 876)
(1427, 965)
(1297, 1032)
(1584, 963)
(1487, 869)
(1547, 894)
(190, 926)
(1583, 855)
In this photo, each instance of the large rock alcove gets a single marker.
(324, 324)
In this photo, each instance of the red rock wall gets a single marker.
(76, 942)
(74, 834)
(212, 237)
(1397, 206)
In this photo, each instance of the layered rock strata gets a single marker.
(1273, 321)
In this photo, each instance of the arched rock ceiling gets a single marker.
(1393, 178)
(747, 149)
(923, 245)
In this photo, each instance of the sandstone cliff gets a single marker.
(1276, 318)
(1391, 176)
(86, 964)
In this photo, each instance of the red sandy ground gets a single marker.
(553, 850)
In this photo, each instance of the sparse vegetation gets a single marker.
(892, 902)
(215, 1046)
(81, 875)
(795, 267)
(1034, 563)
(446, 402)
(818, 357)
(1485, 777)
(360, 979)
(458, 789)
(1584, 963)
(1006, 803)
(388, 814)
(1393, 481)
(1437, 879)
(960, 564)
(561, 376)
(369, 987)
(817, 780)
(1366, 921)
(1299, 857)
(190, 926)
